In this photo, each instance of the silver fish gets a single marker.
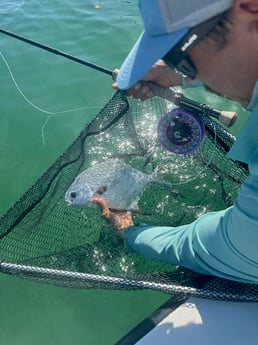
(117, 182)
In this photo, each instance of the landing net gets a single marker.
(44, 239)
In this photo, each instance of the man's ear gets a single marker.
(250, 6)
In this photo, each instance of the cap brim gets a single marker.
(146, 51)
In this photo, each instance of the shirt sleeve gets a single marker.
(220, 243)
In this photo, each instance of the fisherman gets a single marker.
(215, 42)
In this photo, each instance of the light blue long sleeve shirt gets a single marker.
(223, 243)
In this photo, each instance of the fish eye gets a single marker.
(73, 195)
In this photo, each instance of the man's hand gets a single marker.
(160, 74)
(119, 219)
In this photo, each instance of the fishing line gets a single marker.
(19, 89)
(49, 113)
(56, 52)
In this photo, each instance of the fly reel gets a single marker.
(180, 132)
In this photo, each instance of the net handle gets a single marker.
(227, 118)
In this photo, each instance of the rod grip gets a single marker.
(227, 118)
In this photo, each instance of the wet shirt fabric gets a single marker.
(222, 243)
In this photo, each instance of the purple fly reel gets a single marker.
(180, 132)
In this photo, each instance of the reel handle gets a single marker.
(227, 118)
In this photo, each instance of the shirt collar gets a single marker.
(254, 99)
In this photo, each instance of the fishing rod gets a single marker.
(227, 118)
(56, 51)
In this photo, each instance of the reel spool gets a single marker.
(180, 132)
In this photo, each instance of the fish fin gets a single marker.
(101, 190)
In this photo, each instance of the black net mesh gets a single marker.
(43, 238)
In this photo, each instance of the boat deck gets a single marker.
(198, 321)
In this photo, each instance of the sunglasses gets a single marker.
(178, 57)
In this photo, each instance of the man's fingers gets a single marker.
(115, 73)
(102, 204)
(119, 219)
(139, 90)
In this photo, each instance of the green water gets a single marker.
(30, 140)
